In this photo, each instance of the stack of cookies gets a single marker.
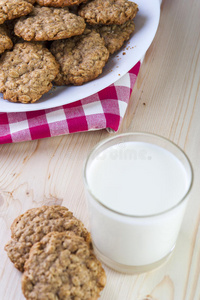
(65, 42)
(53, 250)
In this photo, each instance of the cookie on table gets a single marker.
(49, 23)
(59, 3)
(62, 266)
(11, 9)
(81, 58)
(33, 225)
(108, 12)
(5, 40)
(115, 35)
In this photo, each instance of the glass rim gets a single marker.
(137, 133)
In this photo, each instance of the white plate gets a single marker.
(146, 24)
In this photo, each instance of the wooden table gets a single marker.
(165, 101)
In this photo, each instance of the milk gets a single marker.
(137, 178)
(134, 192)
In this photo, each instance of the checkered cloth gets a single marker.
(104, 109)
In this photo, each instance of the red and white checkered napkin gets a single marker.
(104, 109)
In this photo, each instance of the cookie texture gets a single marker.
(26, 72)
(81, 58)
(30, 1)
(49, 23)
(61, 266)
(5, 40)
(34, 224)
(11, 9)
(15, 39)
(108, 12)
(59, 3)
(115, 35)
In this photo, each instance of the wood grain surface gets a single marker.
(165, 101)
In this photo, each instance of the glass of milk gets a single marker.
(137, 187)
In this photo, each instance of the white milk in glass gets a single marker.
(133, 187)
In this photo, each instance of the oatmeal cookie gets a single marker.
(61, 266)
(59, 3)
(81, 58)
(108, 12)
(48, 23)
(11, 9)
(26, 72)
(115, 35)
(33, 225)
(15, 39)
(5, 40)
